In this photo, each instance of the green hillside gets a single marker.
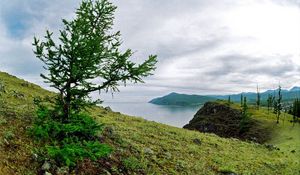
(143, 147)
(181, 99)
(187, 100)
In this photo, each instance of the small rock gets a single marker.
(108, 109)
(46, 166)
(25, 84)
(107, 172)
(6, 142)
(271, 147)
(214, 111)
(62, 171)
(148, 151)
(168, 155)
(35, 157)
(197, 141)
(254, 139)
(110, 132)
(47, 173)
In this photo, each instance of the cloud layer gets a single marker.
(203, 46)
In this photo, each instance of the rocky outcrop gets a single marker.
(225, 121)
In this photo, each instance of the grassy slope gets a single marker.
(286, 135)
(175, 152)
(156, 148)
(16, 112)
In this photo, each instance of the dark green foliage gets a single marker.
(278, 104)
(2, 91)
(246, 122)
(88, 50)
(270, 102)
(257, 98)
(71, 141)
(229, 100)
(295, 110)
(242, 99)
(71, 151)
(47, 127)
(245, 108)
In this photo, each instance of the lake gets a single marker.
(171, 115)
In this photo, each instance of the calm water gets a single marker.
(170, 115)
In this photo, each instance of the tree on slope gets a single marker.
(87, 57)
(242, 99)
(245, 107)
(257, 98)
(278, 105)
(269, 102)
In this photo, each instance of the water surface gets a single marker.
(171, 115)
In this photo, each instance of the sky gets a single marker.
(203, 46)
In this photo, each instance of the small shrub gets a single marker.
(2, 120)
(8, 135)
(70, 152)
(78, 125)
(131, 163)
(69, 141)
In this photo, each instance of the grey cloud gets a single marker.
(279, 69)
(288, 2)
(197, 51)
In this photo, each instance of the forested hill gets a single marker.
(181, 99)
(188, 100)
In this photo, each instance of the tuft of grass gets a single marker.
(132, 163)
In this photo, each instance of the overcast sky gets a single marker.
(203, 46)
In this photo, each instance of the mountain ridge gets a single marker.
(179, 99)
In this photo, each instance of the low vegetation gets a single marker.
(143, 147)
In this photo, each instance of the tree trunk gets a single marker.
(67, 103)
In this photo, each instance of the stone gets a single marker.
(110, 132)
(62, 171)
(168, 155)
(46, 166)
(148, 151)
(108, 109)
(271, 147)
(197, 141)
(35, 157)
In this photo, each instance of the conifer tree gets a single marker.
(269, 102)
(242, 99)
(87, 57)
(296, 109)
(245, 107)
(257, 98)
(278, 105)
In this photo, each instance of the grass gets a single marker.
(174, 151)
(147, 147)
